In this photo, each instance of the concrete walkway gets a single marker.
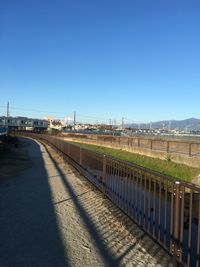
(52, 216)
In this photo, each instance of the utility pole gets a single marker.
(169, 125)
(150, 125)
(7, 116)
(110, 124)
(74, 120)
(122, 123)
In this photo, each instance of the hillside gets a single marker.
(187, 124)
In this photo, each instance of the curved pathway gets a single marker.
(52, 216)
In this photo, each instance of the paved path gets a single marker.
(51, 216)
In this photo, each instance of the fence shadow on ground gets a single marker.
(118, 239)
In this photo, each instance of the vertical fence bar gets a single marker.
(133, 191)
(149, 206)
(108, 186)
(172, 218)
(110, 177)
(113, 180)
(120, 185)
(182, 222)
(129, 189)
(123, 187)
(113, 174)
(166, 211)
(120, 179)
(117, 183)
(145, 193)
(198, 234)
(176, 224)
(154, 207)
(140, 212)
(136, 194)
(190, 227)
(159, 210)
(104, 174)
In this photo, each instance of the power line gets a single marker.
(82, 118)
(36, 110)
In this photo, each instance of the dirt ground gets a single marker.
(52, 216)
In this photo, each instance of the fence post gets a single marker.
(104, 174)
(167, 146)
(69, 146)
(138, 142)
(80, 156)
(190, 149)
(151, 144)
(176, 224)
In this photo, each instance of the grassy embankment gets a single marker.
(166, 167)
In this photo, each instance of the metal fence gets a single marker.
(164, 207)
(191, 148)
(3, 131)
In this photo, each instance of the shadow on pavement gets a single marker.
(106, 255)
(29, 234)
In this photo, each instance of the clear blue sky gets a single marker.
(108, 59)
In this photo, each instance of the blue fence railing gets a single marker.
(3, 130)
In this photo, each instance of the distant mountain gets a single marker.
(188, 124)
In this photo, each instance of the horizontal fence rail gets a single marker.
(190, 148)
(164, 207)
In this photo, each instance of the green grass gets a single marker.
(166, 167)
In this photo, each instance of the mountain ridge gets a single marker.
(186, 124)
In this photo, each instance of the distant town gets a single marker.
(53, 125)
